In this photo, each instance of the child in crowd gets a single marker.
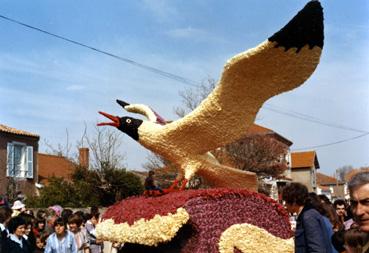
(61, 240)
(356, 241)
(40, 244)
(95, 244)
(80, 234)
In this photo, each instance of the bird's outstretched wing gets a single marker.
(281, 63)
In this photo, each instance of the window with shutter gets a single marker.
(19, 160)
(10, 160)
(29, 162)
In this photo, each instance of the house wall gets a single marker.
(339, 191)
(27, 186)
(303, 176)
(53, 166)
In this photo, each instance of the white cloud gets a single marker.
(162, 10)
(193, 34)
(187, 32)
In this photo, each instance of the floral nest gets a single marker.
(198, 221)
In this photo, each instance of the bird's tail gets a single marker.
(218, 175)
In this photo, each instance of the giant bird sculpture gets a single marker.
(279, 64)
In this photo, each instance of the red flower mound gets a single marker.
(211, 215)
(211, 212)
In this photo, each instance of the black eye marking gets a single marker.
(128, 121)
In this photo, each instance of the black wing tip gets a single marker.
(122, 103)
(306, 28)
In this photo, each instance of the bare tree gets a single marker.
(191, 98)
(103, 145)
(342, 172)
(259, 153)
(60, 149)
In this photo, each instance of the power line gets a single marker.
(189, 81)
(333, 143)
(129, 61)
(312, 119)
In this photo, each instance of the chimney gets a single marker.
(84, 157)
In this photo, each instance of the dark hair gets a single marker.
(94, 209)
(314, 201)
(29, 219)
(42, 238)
(358, 180)
(41, 214)
(356, 239)
(5, 213)
(325, 199)
(324, 209)
(339, 202)
(60, 221)
(95, 215)
(38, 221)
(295, 193)
(84, 216)
(66, 213)
(14, 223)
(76, 219)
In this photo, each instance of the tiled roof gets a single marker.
(255, 129)
(353, 172)
(11, 130)
(322, 179)
(306, 159)
(324, 188)
(52, 165)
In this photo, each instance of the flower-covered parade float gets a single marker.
(230, 217)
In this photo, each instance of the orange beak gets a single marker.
(115, 120)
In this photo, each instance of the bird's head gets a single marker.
(127, 125)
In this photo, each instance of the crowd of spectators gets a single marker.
(321, 226)
(51, 230)
(325, 227)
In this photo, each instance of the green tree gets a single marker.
(58, 191)
(89, 188)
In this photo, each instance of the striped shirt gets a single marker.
(65, 245)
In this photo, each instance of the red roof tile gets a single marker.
(51, 165)
(353, 172)
(322, 179)
(306, 159)
(7, 129)
(255, 129)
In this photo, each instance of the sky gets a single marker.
(49, 86)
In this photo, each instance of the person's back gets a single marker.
(311, 233)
